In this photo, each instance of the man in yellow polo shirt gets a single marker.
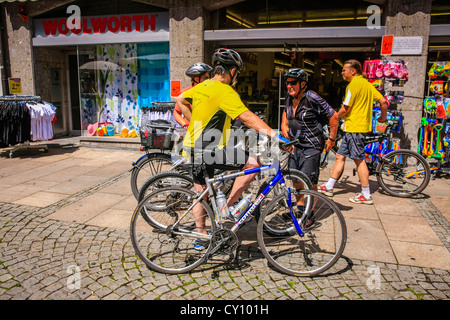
(214, 104)
(357, 112)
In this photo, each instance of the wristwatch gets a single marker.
(334, 140)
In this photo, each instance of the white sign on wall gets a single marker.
(401, 45)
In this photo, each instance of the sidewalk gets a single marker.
(72, 207)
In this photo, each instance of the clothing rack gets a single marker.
(26, 144)
(21, 98)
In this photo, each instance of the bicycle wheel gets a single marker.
(403, 173)
(291, 177)
(325, 236)
(164, 180)
(147, 167)
(164, 247)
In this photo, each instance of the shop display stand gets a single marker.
(25, 145)
(436, 110)
(388, 77)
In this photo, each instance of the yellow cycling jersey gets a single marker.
(359, 96)
(214, 105)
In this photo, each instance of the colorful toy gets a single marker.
(441, 114)
(423, 123)
(385, 68)
(436, 70)
(124, 133)
(437, 87)
(417, 174)
(132, 134)
(430, 105)
(446, 70)
(438, 151)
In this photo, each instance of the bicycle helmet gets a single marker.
(198, 69)
(297, 73)
(228, 58)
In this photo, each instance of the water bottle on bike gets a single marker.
(222, 205)
(240, 208)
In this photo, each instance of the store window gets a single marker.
(293, 14)
(117, 81)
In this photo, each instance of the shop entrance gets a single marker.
(262, 87)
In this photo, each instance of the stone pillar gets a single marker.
(19, 44)
(411, 18)
(186, 25)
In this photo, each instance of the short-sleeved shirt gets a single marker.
(306, 124)
(359, 96)
(214, 105)
(177, 107)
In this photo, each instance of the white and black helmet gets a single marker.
(228, 58)
(198, 69)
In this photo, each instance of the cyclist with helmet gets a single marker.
(214, 105)
(303, 118)
(198, 73)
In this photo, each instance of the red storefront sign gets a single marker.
(94, 25)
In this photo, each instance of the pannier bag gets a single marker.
(157, 134)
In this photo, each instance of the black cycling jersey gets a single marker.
(306, 124)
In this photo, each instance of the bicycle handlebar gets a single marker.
(285, 145)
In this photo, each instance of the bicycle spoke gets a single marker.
(166, 247)
(320, 247)
(403, 173)
(146, 168)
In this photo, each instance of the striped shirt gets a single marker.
(307, 123)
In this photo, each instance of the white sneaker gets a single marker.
(323, 189)
(360, 199)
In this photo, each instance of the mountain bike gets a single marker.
(303, 241)
(153, 163)
(400, 173)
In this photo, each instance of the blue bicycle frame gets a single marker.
(279, 178)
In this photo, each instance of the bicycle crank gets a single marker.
(223, 241)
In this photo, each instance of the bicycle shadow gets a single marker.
(249, 256)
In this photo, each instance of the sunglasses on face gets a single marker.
(292, 83)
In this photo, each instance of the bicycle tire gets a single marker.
(320, 247)
(163, 180)
(288, 175)
(165, 251)
(147, 167)
(392, 176)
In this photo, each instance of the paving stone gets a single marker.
(35, 252)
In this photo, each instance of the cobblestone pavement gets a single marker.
(48, 259)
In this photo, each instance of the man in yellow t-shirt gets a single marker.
(214, 104)
(357, 112)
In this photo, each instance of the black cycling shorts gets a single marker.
(222, 159)
(306, 161)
